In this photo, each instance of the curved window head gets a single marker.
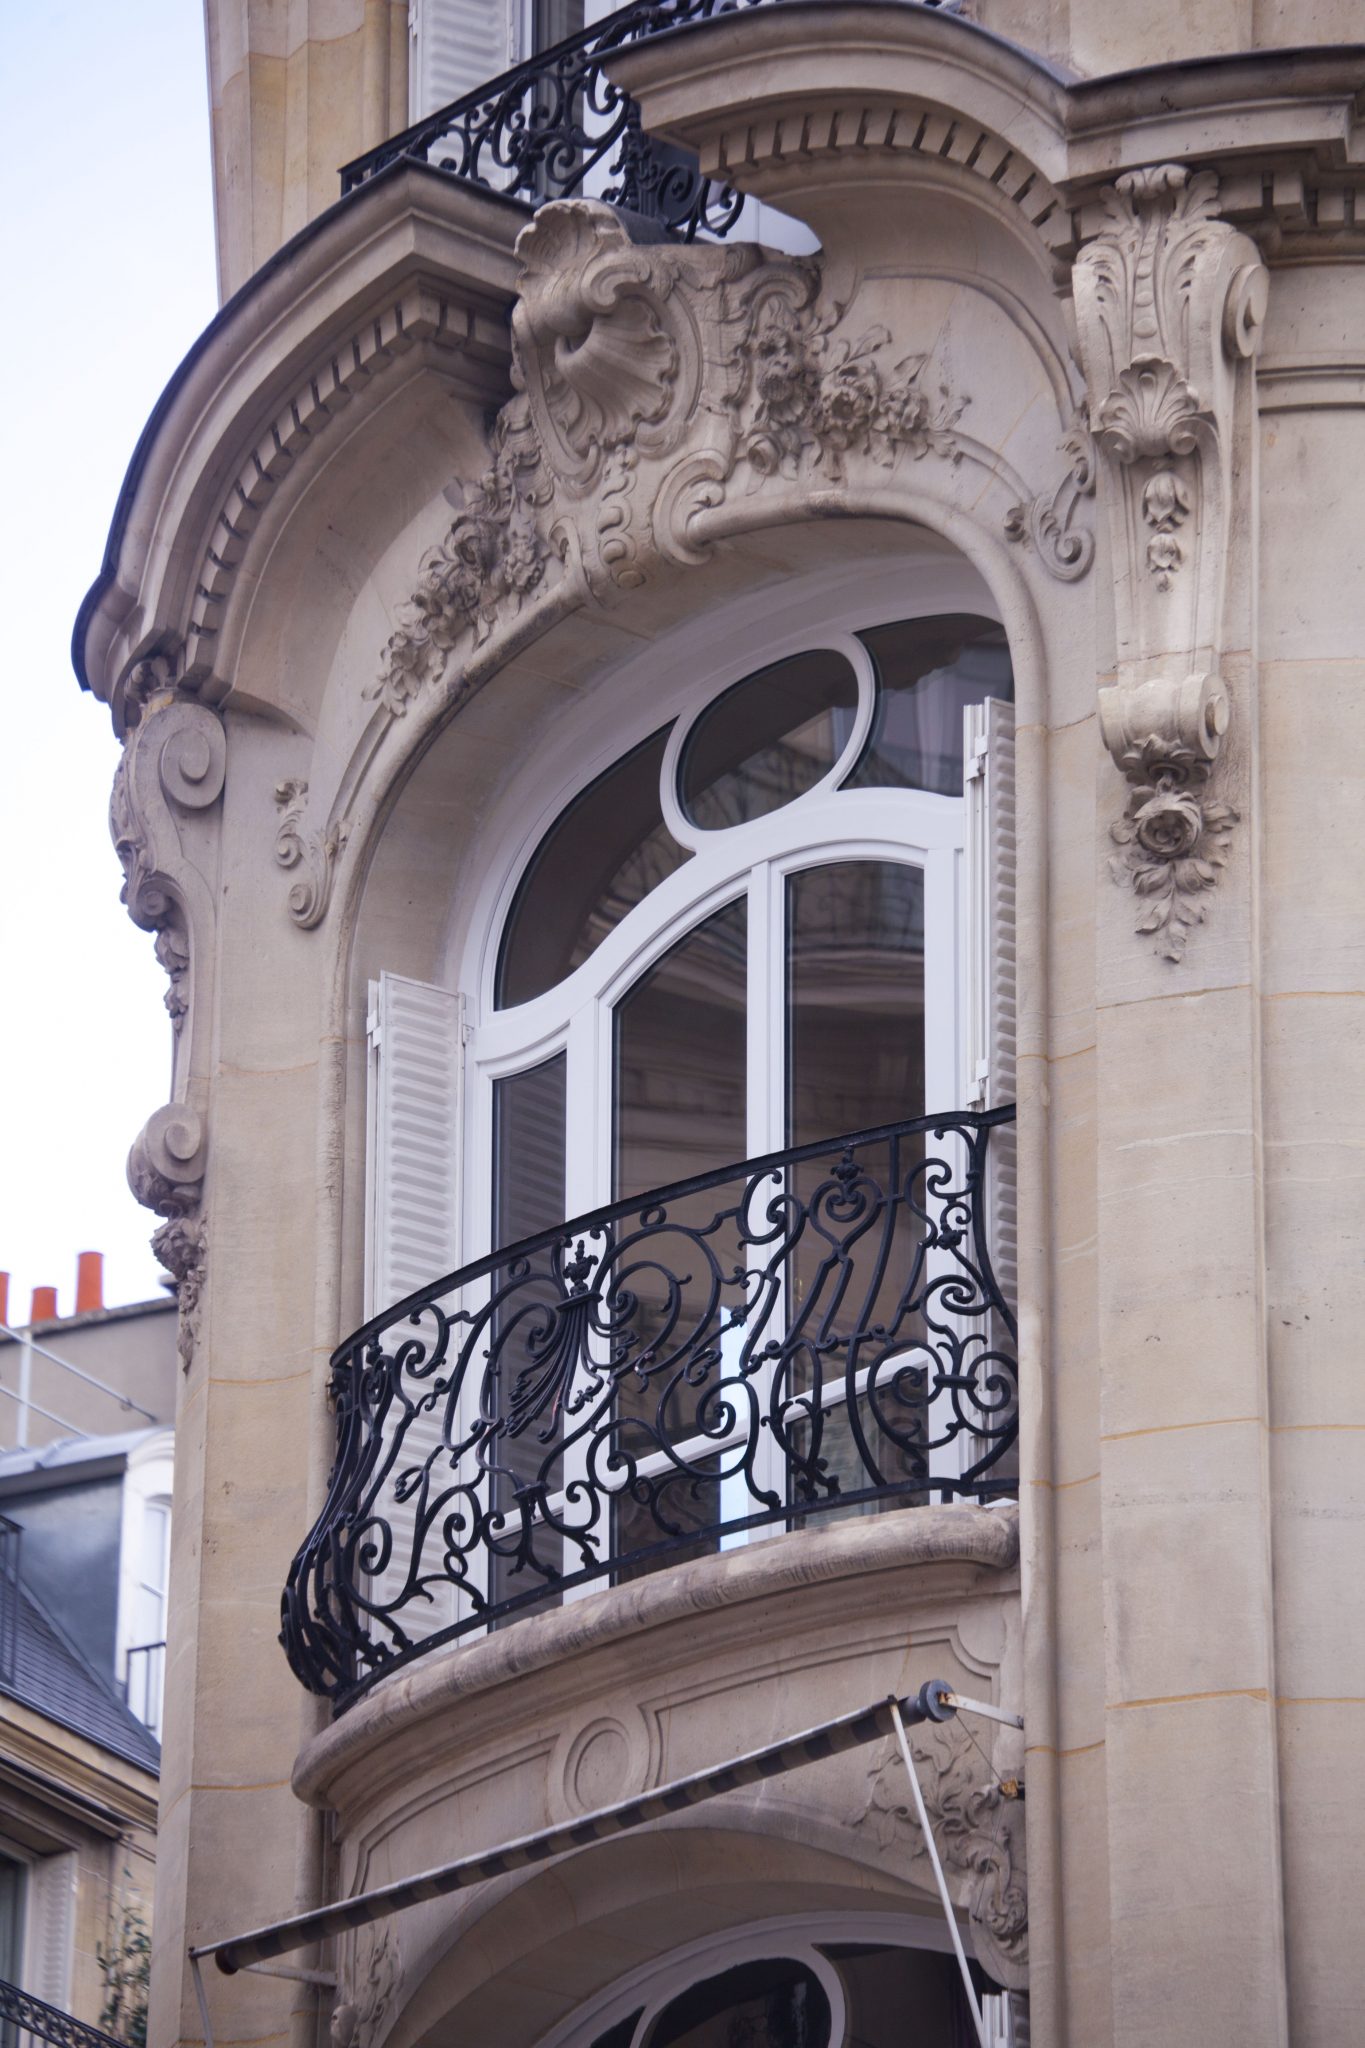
(882, 711)
(928, 671)
(601, 857)
(768, 739)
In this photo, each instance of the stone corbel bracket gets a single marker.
(1169, 302)
(171, 775)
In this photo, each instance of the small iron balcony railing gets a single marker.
(556, 125)
(25, 2019)
(816, 1332)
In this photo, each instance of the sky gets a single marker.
(106, 243)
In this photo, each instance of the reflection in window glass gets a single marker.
(599, 859)
(681, 1051)
(767, 740)
(528, 1196)
(928, 671)
(855, 1049)
(905, 1998)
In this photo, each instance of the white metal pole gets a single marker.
(932, 1847)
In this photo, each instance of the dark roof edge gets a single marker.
(283, 256)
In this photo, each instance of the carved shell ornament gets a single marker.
(621, 352)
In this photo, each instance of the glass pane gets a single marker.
(904, 1998)
(769, 739)
(855, 1059)
(12, 1876)
(779, 2003)
(855, 997)
(552, 21)
(681, 1052)
(928, 671)
(599, 859)
(528, 1196)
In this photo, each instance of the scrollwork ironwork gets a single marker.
(814, 1331)
(556, 126)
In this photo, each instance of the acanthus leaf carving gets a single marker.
(313, 854)
(978, 1832)
(181, 1245)
(173, 764)
(1169, 301)
(370, 1986)
(1064, 549)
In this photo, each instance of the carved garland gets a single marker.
(1169, 300)
(618, 352)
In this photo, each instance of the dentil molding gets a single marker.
(1170, 301)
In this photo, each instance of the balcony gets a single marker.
(556, 126)
(819, 1333)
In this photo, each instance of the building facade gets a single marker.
(781, 780)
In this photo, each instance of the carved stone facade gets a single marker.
(978, 1826)
(1170, 301)
(454, 492)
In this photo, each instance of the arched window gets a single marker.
(778, 915)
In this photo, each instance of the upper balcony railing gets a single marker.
(815, 1332)
(556, 126)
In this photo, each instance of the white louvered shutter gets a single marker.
(454, 47)
(988, 757)
(51, 1925)
(416, 1073)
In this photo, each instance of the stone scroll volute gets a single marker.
(168, 781)
(1169, 304)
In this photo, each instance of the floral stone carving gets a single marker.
(1169, 303)
(978, 1832)
(818, 398)
(490, 561)
(627, 356)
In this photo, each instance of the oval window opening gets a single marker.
(768, 739)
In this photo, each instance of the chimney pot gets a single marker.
(44, 1309)
(4, 1297)
(89, 1281)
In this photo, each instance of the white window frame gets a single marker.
(794, 1937)
(147, 1483)
(825, 825)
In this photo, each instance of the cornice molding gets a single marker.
(972, 1539)
(773, 98)
(414, 268)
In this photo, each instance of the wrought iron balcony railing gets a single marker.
(814, 1332)
(25, 2019)
(556, 125)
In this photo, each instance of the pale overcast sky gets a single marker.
(106, 231)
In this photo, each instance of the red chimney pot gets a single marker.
(4, 1297)
(44, 1309)
(89, 1281)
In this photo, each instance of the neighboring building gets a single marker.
(84, 1541)
(94, 1372)
(599, 706)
